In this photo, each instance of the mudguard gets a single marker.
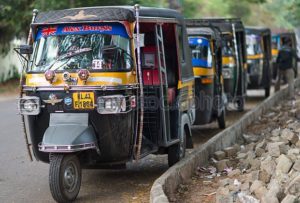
(68, 132)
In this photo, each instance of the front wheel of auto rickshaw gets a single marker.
(177, 151)
(267, 91)
(240, 103)
(221, 120)
(64, 177)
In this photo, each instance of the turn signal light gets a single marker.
(207, 80)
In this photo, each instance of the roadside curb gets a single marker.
(168, 182)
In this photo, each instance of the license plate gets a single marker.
(83, 100)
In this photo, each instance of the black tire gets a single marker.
(267, 91)
(240, 104)
(176, 152)
(221, 120)
(64, 177)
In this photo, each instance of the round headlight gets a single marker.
(29, 105)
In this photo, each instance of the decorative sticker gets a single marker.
(68, 29)
(68, 101)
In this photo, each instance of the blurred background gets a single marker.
(15, 16)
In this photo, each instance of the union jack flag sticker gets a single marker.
(49, 31)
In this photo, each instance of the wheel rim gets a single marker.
(70, 177)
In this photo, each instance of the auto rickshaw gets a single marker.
(205, 43)
(234, 63)
(259, 58)
(104, 86)
(279, 40)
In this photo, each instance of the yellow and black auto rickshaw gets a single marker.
(205, 43)
(259, 58)
(103, 86)
(234, 59)
(279, 40)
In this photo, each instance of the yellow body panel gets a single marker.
(198, 71)
(275, 52)
(101, 79)
(185, 84)
(226, 60)
(256, 56)
(187, 101)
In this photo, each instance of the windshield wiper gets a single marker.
(69, 55)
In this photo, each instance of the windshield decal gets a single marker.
(110, 29)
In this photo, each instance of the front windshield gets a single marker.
(275, 42)
(81, 50)
(201, 52)
(227, 47)
(253, 45)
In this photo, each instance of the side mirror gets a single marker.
(26, 49)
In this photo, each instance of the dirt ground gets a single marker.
(9, 88)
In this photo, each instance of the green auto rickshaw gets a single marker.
(259, 58)
(234, 63)
(206, 44)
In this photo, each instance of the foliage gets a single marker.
(15, 15)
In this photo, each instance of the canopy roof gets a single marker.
(224, 24)
(258, 30)
(197, 27)
(104, 13)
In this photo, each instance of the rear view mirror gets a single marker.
(26, 49)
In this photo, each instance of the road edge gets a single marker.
(168, 182)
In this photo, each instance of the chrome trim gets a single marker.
(66, 148)
(24, 112)
(127, 100)
(146, 19)
(79, 88)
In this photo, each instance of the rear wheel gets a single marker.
(240, 102)
(221, 120)
(267, 91)
(64, 177)
(177, 151)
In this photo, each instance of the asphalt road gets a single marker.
(25, 181)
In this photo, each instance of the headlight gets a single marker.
(227, 73)
(29, 105)
(231, 65)
(112, 104)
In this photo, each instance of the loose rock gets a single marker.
(230, 152)
(264, 176)
(223, 195)
(289, 135)
(296, 165)
(289, 199)
(294, 187)
(221, 165)
(284, 164)
(273, 148)
(219, 155)
(256, 185)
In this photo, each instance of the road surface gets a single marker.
(25, 181)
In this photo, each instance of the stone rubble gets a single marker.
(265, 166)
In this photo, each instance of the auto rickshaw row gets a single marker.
(103, 86)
